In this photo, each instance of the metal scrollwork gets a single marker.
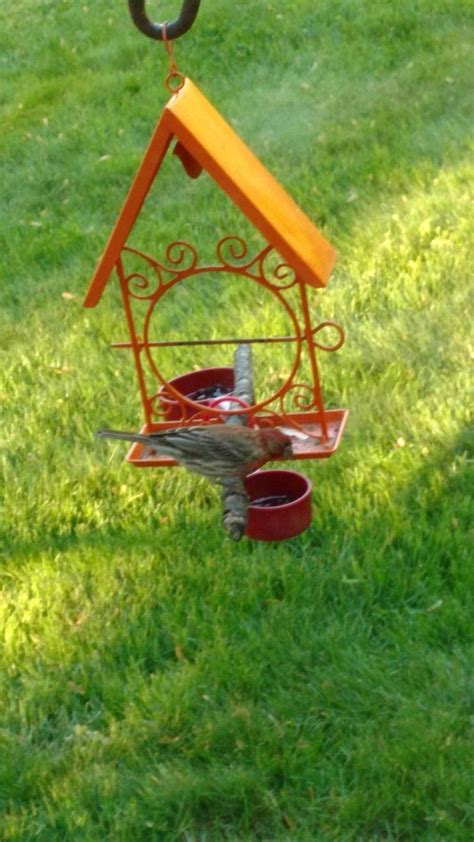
(301, 397)
(158, 406)
(140, 285)
(231, 251)
(332, 326)
(181, 258)
(281, 276)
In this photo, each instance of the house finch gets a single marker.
(219, 452)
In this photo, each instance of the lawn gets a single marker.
(159, 681)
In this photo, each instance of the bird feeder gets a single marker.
(294, 260)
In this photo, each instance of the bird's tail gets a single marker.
(124, 436)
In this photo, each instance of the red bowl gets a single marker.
(278, 522)
(187, 384)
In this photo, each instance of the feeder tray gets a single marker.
(308, 423)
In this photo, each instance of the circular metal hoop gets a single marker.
(216, 411)
(180, 77)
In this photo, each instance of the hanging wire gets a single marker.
(174, 79)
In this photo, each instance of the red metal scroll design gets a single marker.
(181, 261)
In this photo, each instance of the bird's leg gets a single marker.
(235, 503)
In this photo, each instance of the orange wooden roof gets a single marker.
(200, 129)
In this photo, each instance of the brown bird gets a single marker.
(219, 452)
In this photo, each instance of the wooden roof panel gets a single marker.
(191, 118)
(220, 151)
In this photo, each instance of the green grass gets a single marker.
(159, 682)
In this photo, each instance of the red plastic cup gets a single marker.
(191, 382)
(276, 523)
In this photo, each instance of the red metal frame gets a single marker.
(317, 430)
(204, 141)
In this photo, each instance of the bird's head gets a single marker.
(277, 443)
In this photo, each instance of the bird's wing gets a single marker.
(217, 444)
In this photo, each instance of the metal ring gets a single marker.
(180, 77)
(174, 30)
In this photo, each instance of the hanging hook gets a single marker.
(177, 27)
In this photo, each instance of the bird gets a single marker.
(220, 452)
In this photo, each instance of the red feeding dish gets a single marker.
(280, 505)
(202, 386)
